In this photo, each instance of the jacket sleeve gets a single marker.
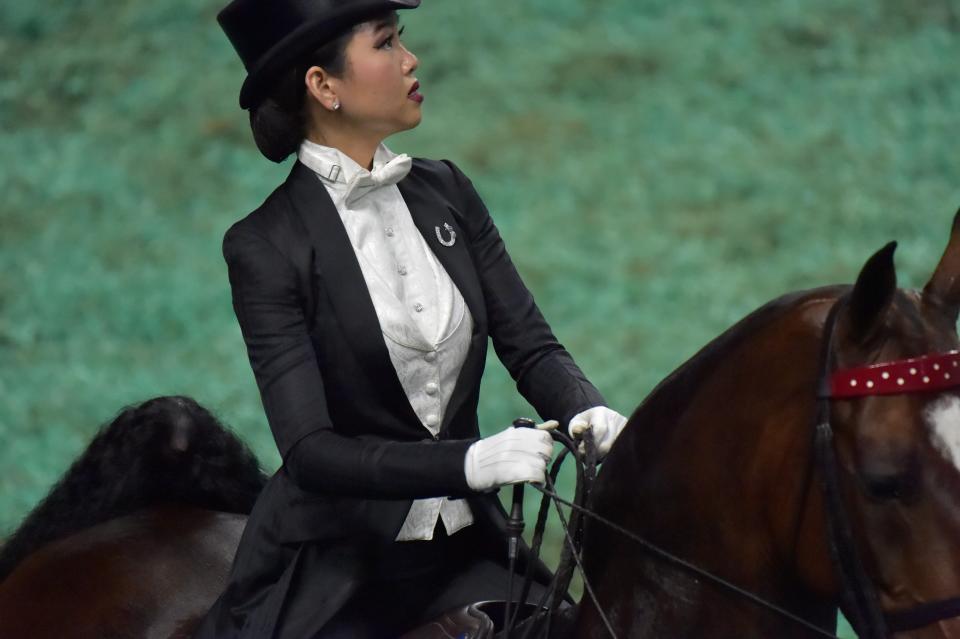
(269, 309)
(544, 371)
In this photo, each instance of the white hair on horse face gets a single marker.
(943, 416)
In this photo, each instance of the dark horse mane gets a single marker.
(666, 405)
(167, 449)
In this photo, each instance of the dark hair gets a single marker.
(279, 121)
(167, 449)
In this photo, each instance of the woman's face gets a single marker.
(375, 90)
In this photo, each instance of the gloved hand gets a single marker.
(605, 424)
(511, 456)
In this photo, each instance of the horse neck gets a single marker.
(750, 426)
(760, 423)
(719, 458)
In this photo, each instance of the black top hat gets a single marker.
(271, 35)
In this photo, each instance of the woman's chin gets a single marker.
(412, 122)
(408, 120)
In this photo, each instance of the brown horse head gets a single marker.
(718, 467)
(899, 454)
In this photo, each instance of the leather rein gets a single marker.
(861, 602)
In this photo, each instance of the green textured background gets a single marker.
(658, 169)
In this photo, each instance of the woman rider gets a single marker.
(366, 286)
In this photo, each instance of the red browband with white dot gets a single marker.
(926, 373)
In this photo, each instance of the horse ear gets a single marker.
(871, 297)
(942, 293)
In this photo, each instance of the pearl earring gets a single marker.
(336, 105)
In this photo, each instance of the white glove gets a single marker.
(511, 456)
(605, 424)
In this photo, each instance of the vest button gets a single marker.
(431, 356)
(432, 419)
(431, 388)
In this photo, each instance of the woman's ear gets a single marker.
(318, 83)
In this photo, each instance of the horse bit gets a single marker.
(862, 602)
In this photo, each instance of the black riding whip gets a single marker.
(514, 531)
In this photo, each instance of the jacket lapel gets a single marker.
(434, 215)
(431, 210)
(337, 265)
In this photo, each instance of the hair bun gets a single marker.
(276, 131)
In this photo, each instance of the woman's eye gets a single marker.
(388, 43)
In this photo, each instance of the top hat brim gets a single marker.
(308, 36)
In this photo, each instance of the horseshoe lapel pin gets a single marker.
(448, 229)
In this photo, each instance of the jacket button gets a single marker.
(431, 388)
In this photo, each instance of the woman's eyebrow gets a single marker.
(385, 23)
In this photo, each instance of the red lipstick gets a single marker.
(413, 94)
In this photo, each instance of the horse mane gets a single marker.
(667, 400)
(167, 449)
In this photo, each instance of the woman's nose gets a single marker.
(411, 62)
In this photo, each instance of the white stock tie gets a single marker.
(390, 173)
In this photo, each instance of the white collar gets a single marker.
(336, 167)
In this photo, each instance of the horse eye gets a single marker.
(886, 487)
